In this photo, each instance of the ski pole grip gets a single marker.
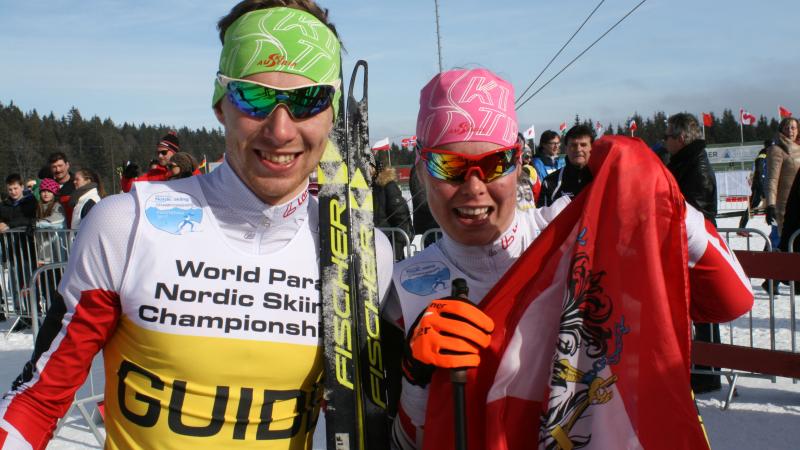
(459, 379)
(459, 289)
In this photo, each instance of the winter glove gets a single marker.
(448, 334)
(770, 214)
(130, 171)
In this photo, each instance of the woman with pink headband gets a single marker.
(469, 163)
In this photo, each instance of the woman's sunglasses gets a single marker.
(259, 100)
(455, 167)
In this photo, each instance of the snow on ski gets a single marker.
(355, 391)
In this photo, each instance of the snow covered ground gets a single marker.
(764, 415)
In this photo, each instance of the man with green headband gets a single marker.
(210, 334)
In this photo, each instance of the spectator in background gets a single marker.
(528, 184)
(783, 160)
(17, 213)
(59, 170)
(32, 186)
(391, 209)
(18, 210)
(570, 179)
(661, 151)
(546, 160)
(423, 219)
(166, 148)
(758, 183)
(689, 164)
(49, 212)
(182, 165)
(88, 192)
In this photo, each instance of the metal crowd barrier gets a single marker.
(399, 237)
(735, 328)
(21, 253)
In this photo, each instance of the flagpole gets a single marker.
(741, 129)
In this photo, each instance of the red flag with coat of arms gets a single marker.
(595, 348)
(708, 120)
(783, 112)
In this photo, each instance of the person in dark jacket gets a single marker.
(758, 183)
(423, 219)
(791, 219)
(391, 210)
(570, 179)
(689, 165)
(18, 212)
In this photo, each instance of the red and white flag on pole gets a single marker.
(708, 119)
(530, 133)
(563, 128)
(409, 142)
(783, 112)
(381, 145)
(633, 127)
(745, 118)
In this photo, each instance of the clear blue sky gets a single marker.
(154, 61)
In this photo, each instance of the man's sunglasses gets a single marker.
(259, 100)
(455, 167)
(162, 152)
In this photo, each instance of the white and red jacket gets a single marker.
(205, 302)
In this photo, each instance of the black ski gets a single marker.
(355, 390)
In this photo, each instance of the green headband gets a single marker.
(280, 40)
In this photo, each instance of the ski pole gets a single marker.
(459, 379)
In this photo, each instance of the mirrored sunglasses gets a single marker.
(259, 100)
(455, 167)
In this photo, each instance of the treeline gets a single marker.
(27, 139)
(724, 129)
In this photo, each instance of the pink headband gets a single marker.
(467, 105)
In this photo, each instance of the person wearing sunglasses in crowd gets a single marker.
(203, 292)
(166, 148)
(469, 163)
(182, 165)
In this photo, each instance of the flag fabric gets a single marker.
(381, 145)
(708, 120)
(563, 128)
(613, 371)
(530, 133)
(409, 142)
(632, 126)
(745, 118)
(202, 163)
(598, 129)
(783, 112)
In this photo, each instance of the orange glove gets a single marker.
(448, 334)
